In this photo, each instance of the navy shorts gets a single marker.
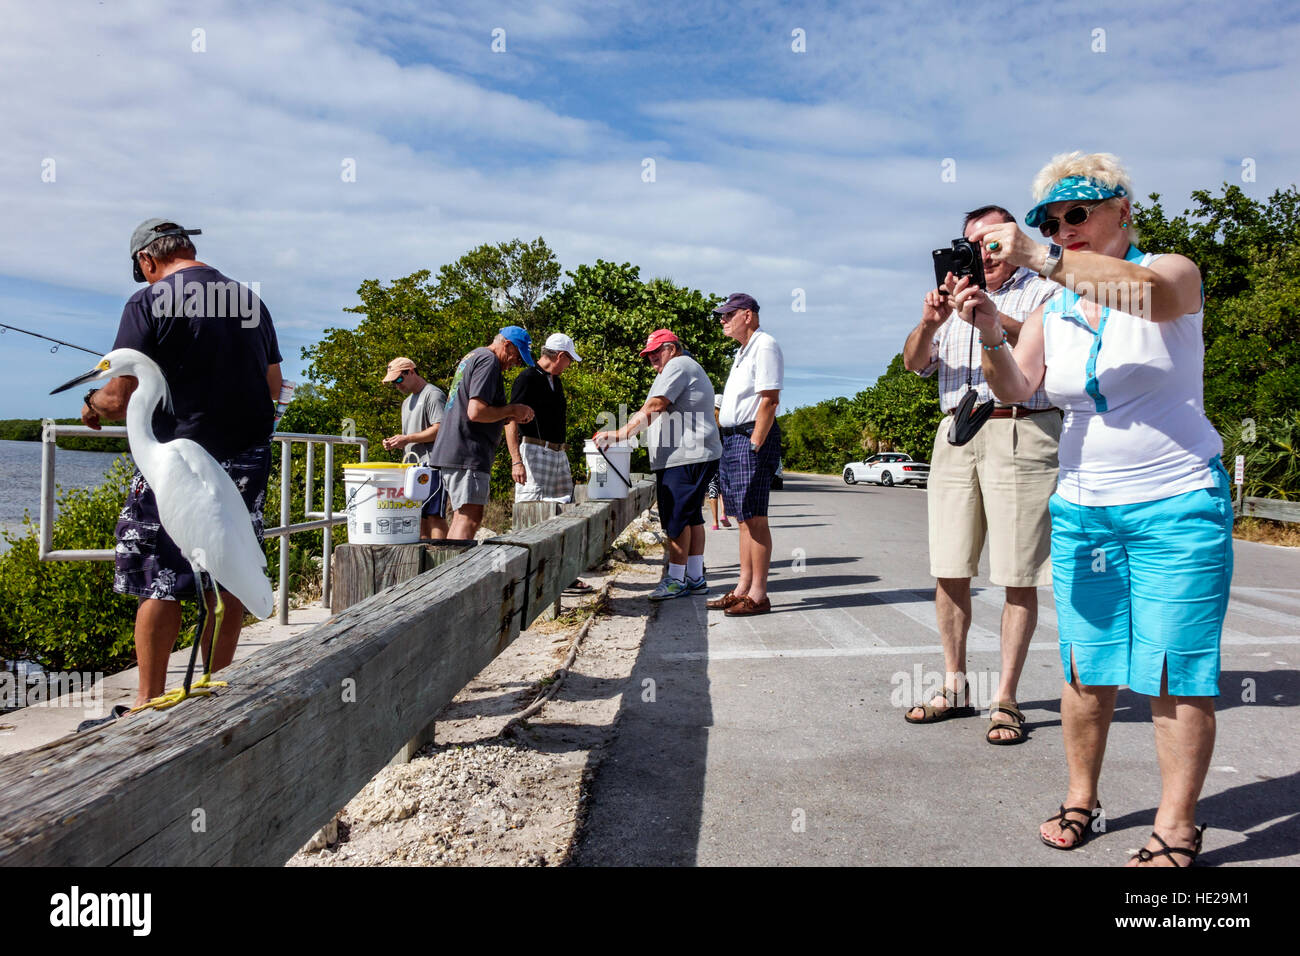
(436, 504)
(680, 493)
(747, 475)
(148, 563)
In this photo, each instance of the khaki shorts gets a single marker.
(998, 483)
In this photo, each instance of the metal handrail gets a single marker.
(51, 431)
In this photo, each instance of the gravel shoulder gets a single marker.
(474, 797)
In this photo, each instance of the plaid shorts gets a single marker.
(148, 563)
(747, 475)
(548, 474)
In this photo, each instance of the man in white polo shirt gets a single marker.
(751, 449)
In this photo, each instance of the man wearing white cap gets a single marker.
(539, 462)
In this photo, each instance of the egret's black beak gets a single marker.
(92, 374)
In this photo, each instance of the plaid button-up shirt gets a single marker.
(951, 352)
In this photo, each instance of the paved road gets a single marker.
(781, 740)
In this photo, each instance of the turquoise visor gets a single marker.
(1072, 187)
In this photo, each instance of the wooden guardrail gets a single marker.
(247, 775)
(1273, 509)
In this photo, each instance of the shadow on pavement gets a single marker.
(1267, 801)
(645, 801)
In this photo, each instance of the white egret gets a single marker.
(198, 504)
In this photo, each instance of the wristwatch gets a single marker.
(89, 395)
(1052, 261)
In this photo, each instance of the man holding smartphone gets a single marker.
(996, 485)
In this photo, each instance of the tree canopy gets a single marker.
(608, 309)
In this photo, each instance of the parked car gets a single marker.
(888, 468)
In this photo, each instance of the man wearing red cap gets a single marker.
(684, 450)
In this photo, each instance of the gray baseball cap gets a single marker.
(152, 229)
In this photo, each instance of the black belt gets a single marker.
(746, 429)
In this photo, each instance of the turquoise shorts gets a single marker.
(1144, 587)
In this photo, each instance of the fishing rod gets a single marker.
(57, 342)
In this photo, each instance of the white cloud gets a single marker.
(774, 170)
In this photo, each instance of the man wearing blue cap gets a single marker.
(476, 414)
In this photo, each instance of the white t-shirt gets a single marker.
(759, 367)
(1135, 427)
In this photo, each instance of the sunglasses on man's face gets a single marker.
(724, 317)
(1074, 216)
(398, 380)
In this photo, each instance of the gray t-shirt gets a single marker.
(686, 433)
(462, 443)
(419, 411)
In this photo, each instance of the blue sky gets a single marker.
(775, 170)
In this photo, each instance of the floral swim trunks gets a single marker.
(148, 563)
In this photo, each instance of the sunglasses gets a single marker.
(398, 380)
(725, 317)
(1074, 216)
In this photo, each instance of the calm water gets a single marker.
(20, 477)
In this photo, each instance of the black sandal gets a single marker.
(1080, 829)
(1146, 856)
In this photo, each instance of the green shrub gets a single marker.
(64, 615)
(1271, 448)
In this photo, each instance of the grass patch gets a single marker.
(498, 514)
(1282, 533)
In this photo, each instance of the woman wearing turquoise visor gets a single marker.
(1142, 515)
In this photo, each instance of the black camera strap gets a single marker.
(968, 417)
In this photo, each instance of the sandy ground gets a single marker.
(477, 798)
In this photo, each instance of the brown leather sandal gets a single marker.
(1016, 724)
(932, 714)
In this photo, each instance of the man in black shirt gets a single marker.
(539, 463)
(539, 460)
(214, 342)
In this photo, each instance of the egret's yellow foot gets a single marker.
(199, 688)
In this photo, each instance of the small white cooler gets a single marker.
(604, 481)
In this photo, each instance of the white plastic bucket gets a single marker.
(604, 481)
(379, 509)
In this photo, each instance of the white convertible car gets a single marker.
(887, 468)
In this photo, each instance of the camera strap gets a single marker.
(968, 417)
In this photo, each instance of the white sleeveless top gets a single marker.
(1135, 427)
